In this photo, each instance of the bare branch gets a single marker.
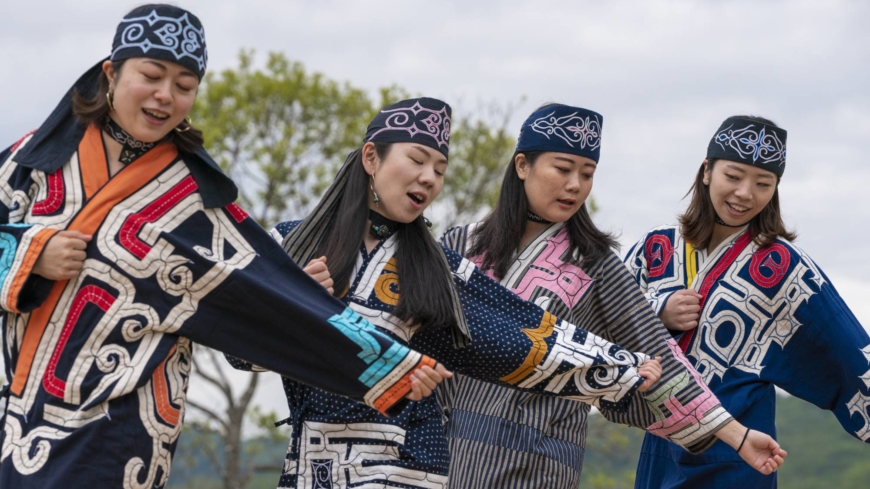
(210, 414)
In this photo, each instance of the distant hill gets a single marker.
(821, 455)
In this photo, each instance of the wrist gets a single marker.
(731, 433)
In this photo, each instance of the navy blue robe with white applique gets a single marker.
(770, 317)
(338, 443)
(99, 364)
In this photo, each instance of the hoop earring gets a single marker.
(375, 200)
(427, 221)
(110, 98)
(187, 128)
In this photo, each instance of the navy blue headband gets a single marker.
(750, 142)
(418, 120)
(563, 129)
(162, 32)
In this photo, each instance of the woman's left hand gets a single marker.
(424, 380)
(651, 371)
(318, 270)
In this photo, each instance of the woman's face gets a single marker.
(739, 191)
(406, 181)
(557, 184)
(151, 97)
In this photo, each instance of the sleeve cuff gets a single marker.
(23, 291)
(388, 396)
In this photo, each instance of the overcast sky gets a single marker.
(664, 74)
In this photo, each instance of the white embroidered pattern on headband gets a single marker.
(752, 145)
(177, 35)
(574, 129)
(418, 120)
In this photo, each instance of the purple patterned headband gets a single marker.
(418, 120)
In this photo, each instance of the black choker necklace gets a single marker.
(381, 226)
(536, 218)
(132, 147)
(720, 222)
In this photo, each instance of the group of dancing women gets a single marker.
(408, 361)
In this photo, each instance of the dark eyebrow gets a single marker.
(566, 160)
(164, 68)
(735, 167)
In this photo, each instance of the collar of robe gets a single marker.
(531, 216)
(381, 227)
(132, 149)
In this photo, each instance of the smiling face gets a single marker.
(407, 179)
(739, 191)
(151, 97)
(556, 184)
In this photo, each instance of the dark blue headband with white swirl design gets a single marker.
(751, 142)
(417, 120)
(162, 32)
(563, 129)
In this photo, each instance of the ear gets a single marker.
(706, 173)
(109, 70)
(522, 166)
(370, 158)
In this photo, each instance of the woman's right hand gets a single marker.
(682, 310)
(318, 270)
(63, 256)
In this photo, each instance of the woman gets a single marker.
(370, 244)
(751, 310)
(121, 244)
(541, 243)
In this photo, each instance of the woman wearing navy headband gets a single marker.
(540, 242)
(368, 241)
(121, 244)
(750, 310)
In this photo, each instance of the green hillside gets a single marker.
(821, 455)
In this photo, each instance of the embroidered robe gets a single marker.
(502, 437)
(99, 364)
(769, 317)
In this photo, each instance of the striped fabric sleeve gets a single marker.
(680, 407)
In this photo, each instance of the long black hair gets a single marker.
(498, 237)
(424, 295)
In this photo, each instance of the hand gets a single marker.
(760, 451)
(63, 256)
(424, 380)
(651, 371)
(318, 270)
(682, 310)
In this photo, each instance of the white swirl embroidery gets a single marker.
(751, 144)
(177, 35)
(572, 128)
(418, 120)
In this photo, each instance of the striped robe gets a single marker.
(99, 364)
(769, 317)
(509, 439)
(338, 443)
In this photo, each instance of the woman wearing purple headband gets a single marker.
(540, 242)
(750, 310)
(119, 245)
(368, 241)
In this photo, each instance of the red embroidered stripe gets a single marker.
(724, 263)
(128, 235)
(55, 196)
(237, 212)
(89, 294)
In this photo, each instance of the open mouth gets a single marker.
(418, 198)
(737, 208)
(153, 114)
(567, 202)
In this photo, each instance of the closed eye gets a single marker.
(731, 177)
(563, 169)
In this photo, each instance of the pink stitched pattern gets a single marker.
(89, 294)
(693, 412)
(765, 258)
(548, 271)
(54, 197)
(418, 120)
(658, 249)
(128, 236)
